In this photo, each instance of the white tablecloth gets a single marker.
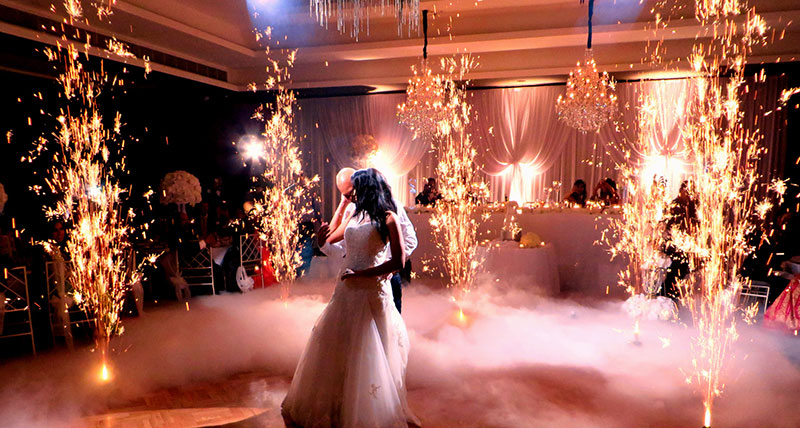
(526, 268)
(582, 266)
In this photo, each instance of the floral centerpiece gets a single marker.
(180, 187)
(362, 148)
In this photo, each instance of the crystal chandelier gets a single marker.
(590, 100)
(355, 13)
(425, 96)
(424, 106)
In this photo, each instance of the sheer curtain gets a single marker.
(517, 139)
(522, 146)
(663, 152)
(328, 127)
(398, 152)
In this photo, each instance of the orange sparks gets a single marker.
(453, 221)
(725, 180)
(105, 373)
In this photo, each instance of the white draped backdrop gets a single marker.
(522, 146)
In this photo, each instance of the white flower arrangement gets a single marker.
(3, 197)
(640, 306)
(363, 147)
(180, 187)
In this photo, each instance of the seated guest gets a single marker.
(775, 259)
(578, 193)
(429, 195)
(308, 223)
(7, 247)
(683, 210)
(682, 216)
(169, 263)
(606, 192)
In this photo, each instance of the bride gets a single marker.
(352, 372)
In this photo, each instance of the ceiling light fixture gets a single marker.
(356, 13)
(424, 105)
(590, 100)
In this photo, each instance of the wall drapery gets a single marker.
(522, 146)
(329, 126)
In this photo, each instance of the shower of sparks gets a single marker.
(638, 234)
(74, 8)
(786, 94)
(285, 190)
(87, 162)
(724, 156)
(118, 48)
(104, 8)
(453, 222)
(424, 105)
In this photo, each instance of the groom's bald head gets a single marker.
(343, 182)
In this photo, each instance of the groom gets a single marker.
(345, 211)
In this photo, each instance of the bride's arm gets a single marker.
(397, 259)
(341, 210)
(338, 234)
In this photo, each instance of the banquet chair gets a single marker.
(250, 255)
(15, 310)
(136, 288)
(197, 266)
(757, 291)
(67, 318)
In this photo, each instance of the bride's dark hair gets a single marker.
(373, 196)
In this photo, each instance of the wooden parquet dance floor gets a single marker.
(245, 400)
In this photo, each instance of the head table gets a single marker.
(582, 264)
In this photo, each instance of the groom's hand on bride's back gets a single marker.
(323, 233)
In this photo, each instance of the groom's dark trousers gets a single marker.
(398, 280)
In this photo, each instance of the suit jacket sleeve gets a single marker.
(409, 234)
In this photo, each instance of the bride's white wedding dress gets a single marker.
(352, 372)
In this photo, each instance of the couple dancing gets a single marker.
(352, 372)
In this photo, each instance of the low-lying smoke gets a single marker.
(517, 360)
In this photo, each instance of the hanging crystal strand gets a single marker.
(357, 14)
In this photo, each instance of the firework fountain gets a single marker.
(87, 163)
(639, 233)
(284, 198)
(724, 156)
(454, 223)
